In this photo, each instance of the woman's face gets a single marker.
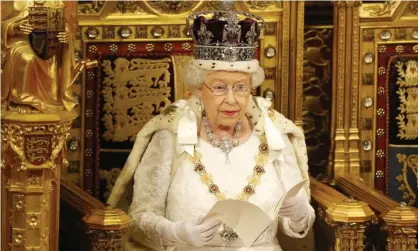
(225, 96)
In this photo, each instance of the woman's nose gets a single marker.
(230, 97)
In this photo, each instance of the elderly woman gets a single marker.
(220, 144)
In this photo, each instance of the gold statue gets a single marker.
(30, 81)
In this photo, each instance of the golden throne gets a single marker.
(333, 79)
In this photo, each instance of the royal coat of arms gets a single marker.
(38, 149)
(47, 23)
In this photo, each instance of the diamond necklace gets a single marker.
(225, 144)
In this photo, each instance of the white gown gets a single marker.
(159, 196)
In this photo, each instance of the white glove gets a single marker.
(294, 208)
(196, 232)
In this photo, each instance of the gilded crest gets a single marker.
(38, 148)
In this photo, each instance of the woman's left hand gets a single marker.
(294, 208)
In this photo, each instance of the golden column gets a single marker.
(345, 159)
(349, 219)
(33, 153)
(401, 225)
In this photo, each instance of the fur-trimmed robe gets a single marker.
(258, 111)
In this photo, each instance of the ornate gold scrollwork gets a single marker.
(413, 8)
(132, 7)
(408, 96)
(378, 10)
(260, 5)
(172, 7)
(36, 145)
(134, 91)
(90, 7)
(411, 162)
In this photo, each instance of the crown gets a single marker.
(224, 36)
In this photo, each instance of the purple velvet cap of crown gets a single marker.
(216, 27)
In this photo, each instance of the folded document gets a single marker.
(247, 219)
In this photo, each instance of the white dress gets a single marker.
(159, 196)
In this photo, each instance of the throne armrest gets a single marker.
(88, 224)
(341, 221)
(397, 219)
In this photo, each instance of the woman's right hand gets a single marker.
(23, 27)
(196, 232)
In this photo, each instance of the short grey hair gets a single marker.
(194, 76)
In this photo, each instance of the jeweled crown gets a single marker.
(224, 36)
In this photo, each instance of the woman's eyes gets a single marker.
(219, 87)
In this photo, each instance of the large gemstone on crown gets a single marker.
(231, 54)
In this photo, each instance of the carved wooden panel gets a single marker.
(317, 92)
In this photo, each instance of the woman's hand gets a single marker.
(22, 27)
(64, 36)
(294, 208)
(195, 232)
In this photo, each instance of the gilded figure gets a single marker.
(31, 82)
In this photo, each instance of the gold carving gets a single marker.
(270, 29)
(260, 5)
(19, 201)
(408, 97)
(174, 31)
(400, 34)
(105, 228)
(270, 73)
(378, 10)
(108, 32)
(299, 63)
(34, 180)
(38, 148)
(410, 162)
(400, 223)
(22, 138)
(172, 7)
(413, 7)
(349, 219)
(341, 67)
(33, 220)
(131, 7)
(19, 237)
(141, 31)
(368, 35)
(367, 79)
(134, 92)
(284, 99)
(355, 68)
(90, 7)
(36, 81)
(32, 152)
